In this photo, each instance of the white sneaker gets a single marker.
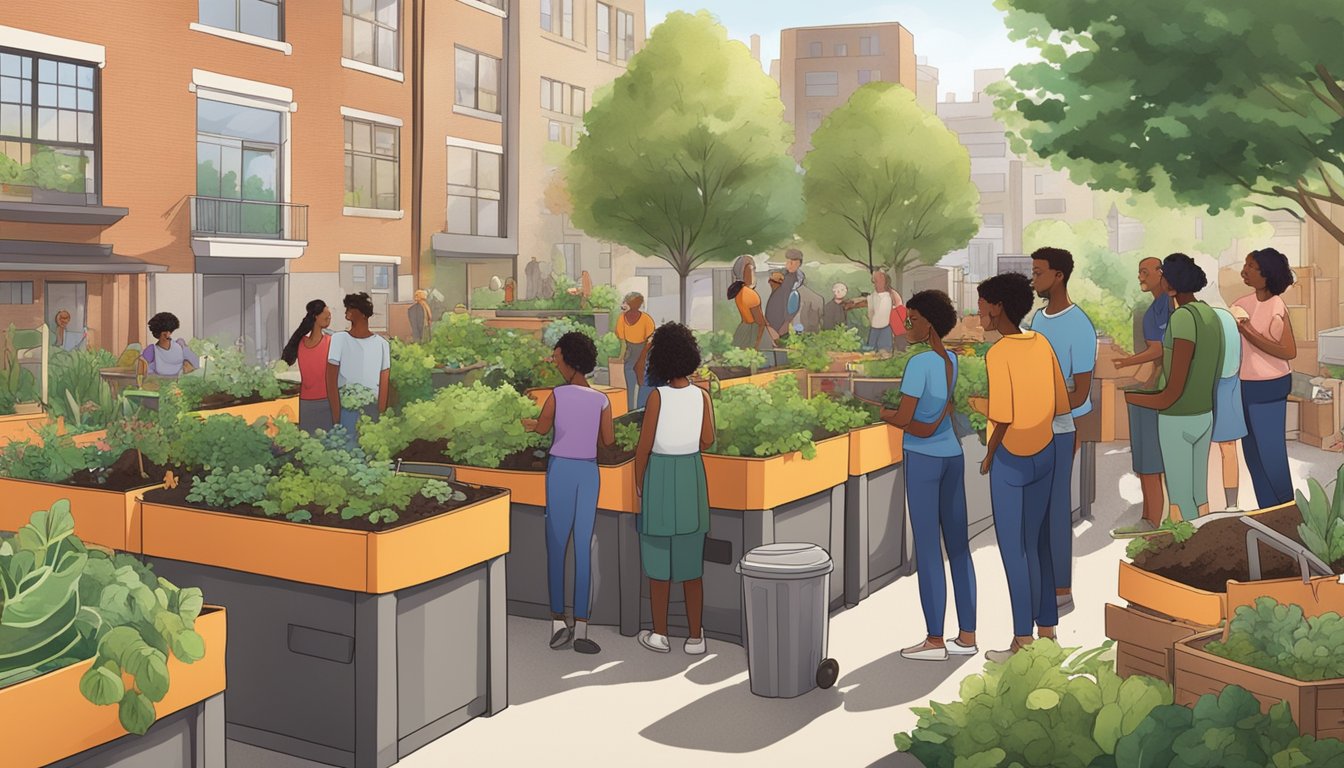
(654, 641)
(955, 648)
(695, 646)
(925, 652)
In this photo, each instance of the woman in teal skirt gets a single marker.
(670, 481)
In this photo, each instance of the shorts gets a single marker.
(1144, 445)
(1229, 417)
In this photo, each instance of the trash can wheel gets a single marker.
(827, 673)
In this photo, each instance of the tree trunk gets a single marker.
(681, 294)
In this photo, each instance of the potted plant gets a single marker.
(99, 630)
(369, 557)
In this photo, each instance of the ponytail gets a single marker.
(291, 351)
(735, 289)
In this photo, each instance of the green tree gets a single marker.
(687, 157)
(887, 184)
(1230, 104)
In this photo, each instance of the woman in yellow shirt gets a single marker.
(751, 331)
(634, 328)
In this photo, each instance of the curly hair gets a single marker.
(1058, 259)
(674, 354)
(1183, 274)
(1012, 291)
(579, 352)
(936, 307)
(1274, 266)
(164, 322)
(360, 302)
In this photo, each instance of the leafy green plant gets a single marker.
(412, 367)
(222, 441)
(892, 367)
(561, 326)
(481, 426)
(813, 351)
(76, 391)
(63, 603)
(17, 384)
(604, 298)
(1179, 531)
(776, 419)
(627, 436)
(714, 345)
(227, 372)
(484, 298)
(228, 488)
(608, 347)
(1223, 731)
(1322, 528)
(51, 459)
(751, 359)
(1281, 639)
(1046, 706)
(356, 397)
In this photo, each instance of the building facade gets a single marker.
(228, 161)
(821, 67)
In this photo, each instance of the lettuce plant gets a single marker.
(1281, 639)
(751, 359)
(776, 419)
(63, 603)
(812, 351)
(481, 426)
(713, 345)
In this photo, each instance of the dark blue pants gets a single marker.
(571, 507)
(935, 490)
(1059, 529)
(1019, 490)
(1266, 444)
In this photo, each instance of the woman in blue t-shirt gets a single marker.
(935, 477)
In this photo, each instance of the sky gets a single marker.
(957, 36)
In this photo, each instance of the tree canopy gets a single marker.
(1229, 104)
(686, 158)
(887, 184)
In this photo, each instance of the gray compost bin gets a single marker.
(786, 591)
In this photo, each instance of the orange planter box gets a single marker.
(760, 379)
(268, 409)
(106, 518)
(619, 406)
(359, 561)
(617, 492)
(743, 483)
(873, 448)
(20, 427)
(46, 719)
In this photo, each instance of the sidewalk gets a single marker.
(629, 706)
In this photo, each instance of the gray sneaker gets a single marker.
(561, 638)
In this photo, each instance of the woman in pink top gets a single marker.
(308, 347)
(1267, 346)
(581, 417)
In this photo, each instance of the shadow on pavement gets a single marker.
(896, 760)
(891, 680)
(735, 721)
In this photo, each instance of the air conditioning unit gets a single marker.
(1330, 347)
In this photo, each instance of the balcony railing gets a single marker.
(262, 219)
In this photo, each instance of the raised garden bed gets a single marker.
(21, 426)
(756, 380)
(350, 647)
(877, 531)
(1146, 641)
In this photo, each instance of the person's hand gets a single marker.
(530, 425)
(774, 335)
(639, 487)
(984, 465)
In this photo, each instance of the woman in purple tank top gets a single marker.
(581, 417)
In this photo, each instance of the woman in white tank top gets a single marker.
(670, 481)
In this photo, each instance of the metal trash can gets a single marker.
(785, 593)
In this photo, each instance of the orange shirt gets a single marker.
(637, 332)
(747, 299)
(1026, 391)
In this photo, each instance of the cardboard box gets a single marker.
(1318, 419)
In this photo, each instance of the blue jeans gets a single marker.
(636, 394)
(880, 339)
(1019, 490)
(935, 491)
(1266, 445)
(350, 418)
(1059, 529)
(571, 507)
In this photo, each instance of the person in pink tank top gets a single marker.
(581, 418)
(308, 347)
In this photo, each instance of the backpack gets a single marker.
(897, 313)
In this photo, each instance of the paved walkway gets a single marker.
(629, 706)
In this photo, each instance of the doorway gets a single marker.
(69, 296)
(244, 311)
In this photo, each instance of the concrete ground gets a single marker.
(627, 705)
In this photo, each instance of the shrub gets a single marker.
(605, 298)
(484, 298)
(1280, 639)
(412, 367)
(558, 328)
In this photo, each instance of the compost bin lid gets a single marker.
(786, 561)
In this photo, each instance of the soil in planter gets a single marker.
(432, 452)
(222, 400)
(420, 509)
(123, 475)
(724, 372)
(1217, 552)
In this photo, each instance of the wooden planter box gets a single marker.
(1146, 641)
(1318, 707)
(19, 427)
(105, 518)
(45, 720)
(764, 501)
(872, 389)
(833, 384)
(619, 403)
(288, 407)
(759, 379)
(346, 647)
(524, 324)
(877, 539)
(615, 579)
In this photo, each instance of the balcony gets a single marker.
(260, 229)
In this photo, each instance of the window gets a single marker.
(604, 257)
(477, 81)
(1054, 205)
(238, 159)
(814, 50)
(19, 292)
(990, 182)
(869, 76)
(823, 83)
(578, 98)
(372, 32)
(560, 132)
(570, 253)
(494, 3)
(372, 171)
(604, 32)
(996, 149)
(262, 18)
(841, 49)
(868, 46)
(992, 219)
(474, 192)
(378, 279)
(655, 286)
(554, 98)
(557, 17)
(625, 35)
(1040, 184)
(48, 130)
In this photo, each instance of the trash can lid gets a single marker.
(786, 561)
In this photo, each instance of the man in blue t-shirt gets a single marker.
(1074, 340)
(1145, 451)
